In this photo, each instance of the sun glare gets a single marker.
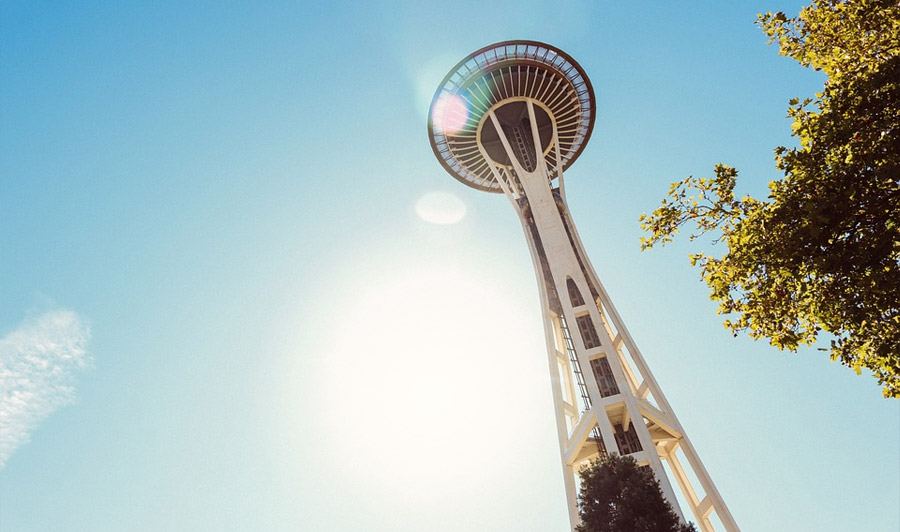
(418, 378)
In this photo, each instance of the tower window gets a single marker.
(604, 376)
(588, 332)
(574, 293)
(627, 440)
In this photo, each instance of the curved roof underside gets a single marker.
(508, 71)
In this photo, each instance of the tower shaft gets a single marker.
(510, 118)
(605, 398)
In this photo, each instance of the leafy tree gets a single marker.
(617, 495)
(822, 252)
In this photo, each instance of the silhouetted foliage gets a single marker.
(822, 253)
(618, 495)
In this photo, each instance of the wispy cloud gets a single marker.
(38, 364)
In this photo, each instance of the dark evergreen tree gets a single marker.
(618, 495)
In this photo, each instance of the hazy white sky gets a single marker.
(243, 294)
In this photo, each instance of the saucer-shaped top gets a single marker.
(495, 78)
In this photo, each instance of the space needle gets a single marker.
(511, 118)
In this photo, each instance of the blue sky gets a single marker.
(227, 315)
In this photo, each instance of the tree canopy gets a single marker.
(822, 252)
(618, 495)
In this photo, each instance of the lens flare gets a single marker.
(450, 114)
(441, 208)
